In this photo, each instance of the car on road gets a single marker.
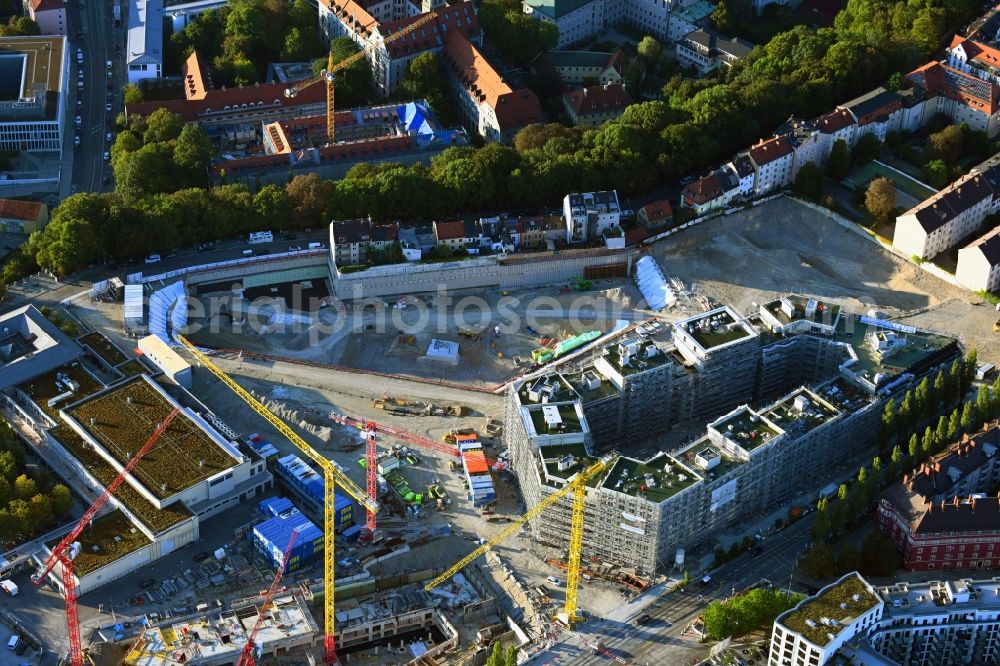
(107, 107)
(643, 620)
(153, 258)
(107, 156)
(77, 121)
(149, 582)
(79, 56)
(705, 581)
(109, 73)
(76, 140)
(110, 137)
(204, 247)
(202, 557)
(553, 580)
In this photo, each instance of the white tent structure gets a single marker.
(653, 285)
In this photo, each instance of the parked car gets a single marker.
(149, 582)
(107, 156)
(76, 140)
(107, 107)
(553, 580)
(204, 247)
(643, 620)
(77, 121)
(152, 259)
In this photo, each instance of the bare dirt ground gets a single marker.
(785, 247)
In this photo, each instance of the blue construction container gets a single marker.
(263, 447)
(271, 538)
(308, 487)
(276, 506)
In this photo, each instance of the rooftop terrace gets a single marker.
(555, 419)
(746, 428)
(803, 408)
(550, 385)
(798, 308)
(573, 458)
(841, 602)
(657, 479)
(919, 348)
(44, 387)
(109, 538)
(714, 328)
(708, 459)
(635, 355)
(590, 385)
(123, 418)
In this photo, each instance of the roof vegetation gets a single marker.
(110, 538)
(828, 606)
(103, 347)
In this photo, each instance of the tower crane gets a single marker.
(578, 487)
(329, 74)
(246, 655)
(64, 553)
(371, 472)
(332, 475)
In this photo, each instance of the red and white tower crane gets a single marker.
(246, 656)
(69, 548)
(371, 458)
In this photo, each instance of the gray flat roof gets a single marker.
(145, 32)
(49, 347)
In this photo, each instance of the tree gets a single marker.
(941, 432)
(425, 79)
(969, 369)
(193, 151)
(921, 397)
(954, 382)
(162, 125)
(914, 449)
(25, 487)
(908, 417)
(518, 36)
(879, 556)
(936, 173)
(809, 181)
(272, 204)
(62, 500)
(650, 49)
(496, 657)
(132, 94)
(927, 443)
(821, 522)
(818, 562)
(731, 15)
(866, 149)
(968, 417)
(838, 164)
(880, 199)
(849, 560)
(896, 462)
(889, 423)
(983, 403)
(20, 26)
(354, 84)
(309, 195)
(954, 425)
(947, 145)
(894, 82)
(927, 28)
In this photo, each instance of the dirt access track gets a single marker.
(784, 246)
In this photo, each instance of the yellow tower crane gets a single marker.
(330, 73)
(577, 486)
(332, 475)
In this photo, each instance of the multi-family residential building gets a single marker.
(812, 632)
(50, 15)
(687, 16)
(808, 143)
(706, 50)
(905, 624)
(23, 217)
(144, 44)
(595, 105)
(973, 57)
(963, 97)
(577, 20)
(712, 192)
(942, 221)
(874, 111)
(34, 110)
(589, 214)
(945, 514)
(979, 263)
(772, 160)
(456, 234)
(575, 68)
(709, 366)
(746, 175)
(389, 61)
(656, 214)
(489, 106)
(352, 241)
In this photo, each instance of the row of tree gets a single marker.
(29, 504)
(745, 612)
(878, 557)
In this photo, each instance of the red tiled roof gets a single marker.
(617, 61)
(770, 150)
(982, 53)
(658, 212)
(596, 99)
(834, 121)
(449, 230)
(353, 15)
(941, 80)
(702, 190)
(46, 5)
(633, 236)
(197, 80)
(12, 209)
(459, 18)
(513, 108)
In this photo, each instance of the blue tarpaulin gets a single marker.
(414, 118)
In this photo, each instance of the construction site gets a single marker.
(639, 434)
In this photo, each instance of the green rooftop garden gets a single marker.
(156, 520)
(561, 392)
(44, 387)
(726, 463)
(658, 480)
(104, 348)
(784, 414)
(852, 594)
(638, 362)
(551, 455)
(110, 538)
(131, 368)
(567, 412)
(579, 380)
(746, 429)
(918, 346)
(714, 329)
(184, 454)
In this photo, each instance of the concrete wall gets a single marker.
(528, 270)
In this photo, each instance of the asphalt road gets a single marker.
(98, 38)
(667, 639)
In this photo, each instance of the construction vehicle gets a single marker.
(69, 547)
(996, 326)
(449, 437)
(578, 487)
(545, 354)
(246, 655)
(581, 284)
(332, 476)
(329, 74)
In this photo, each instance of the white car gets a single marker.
(79, 55)
(553, 580)
(107, 156)
(107, 107)
(77, 121)
(76, 140)
(109, 73)
(111, 137)
(152, 259)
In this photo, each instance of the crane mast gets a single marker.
(329, 74)
(332, 475)
(246, 655)
(65, 551)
